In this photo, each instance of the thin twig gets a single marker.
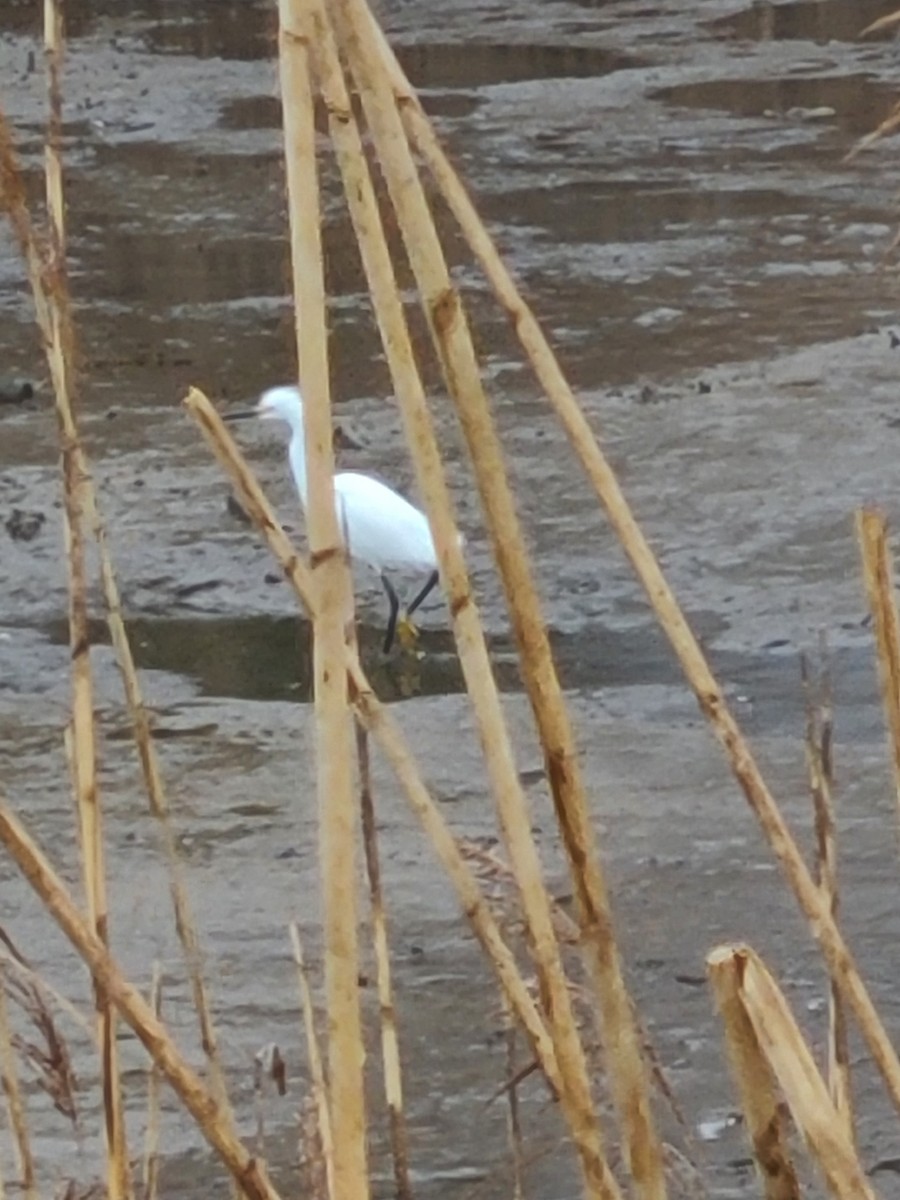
(878, 575)
(514, 1123)
(151, 1138)
(317, 1071)
(819, 760)
(17, 1121)
(390, 1045)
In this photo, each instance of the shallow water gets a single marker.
(669, 185)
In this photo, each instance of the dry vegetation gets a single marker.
(568, 1011)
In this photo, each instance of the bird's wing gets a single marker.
(384, 530)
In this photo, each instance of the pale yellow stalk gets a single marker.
(332, 587)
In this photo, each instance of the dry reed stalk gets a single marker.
(150, 1178)
(602, 478)
(878, 575)
(422, 245)
(61, 351)
(450, 330)
(882, 23)
(316, 1069)
(30, 981)
(754, 1080)
(885, 127)
(215, 1124)
(387, 1012)
(376, 718)
(331, 583)
(823, 1128)
(16, 1109)
(819, 743)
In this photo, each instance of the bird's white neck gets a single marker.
(297, 455)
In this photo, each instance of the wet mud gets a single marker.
(669, 183)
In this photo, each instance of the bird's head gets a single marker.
(276, 404)
(280, 404)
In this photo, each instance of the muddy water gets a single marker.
(669, 184)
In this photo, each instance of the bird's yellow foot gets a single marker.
(407, 633)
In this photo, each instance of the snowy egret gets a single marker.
(383, 530)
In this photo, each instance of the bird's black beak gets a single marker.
(243, 414)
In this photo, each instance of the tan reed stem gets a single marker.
(16, 1109)
(215, 1125)
(316, 1070)
(151, 1138)
(61, 351)
(334, 609)
(878, 575)
(390, 1043)
(377, 719)
(443, 306)
(754, 1080)
(709, 695)
(576, 1095)
(823, 1128)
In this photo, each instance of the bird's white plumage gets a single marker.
(383, 529)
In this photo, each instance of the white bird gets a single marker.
(383, 530)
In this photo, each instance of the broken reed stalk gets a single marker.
(576, 1096)
(387, 1012)
(15, 1108)
(878, 575)
(334, 610)
(754, 1081)
(316, 1070)
(602, 478)
(377, 719)
(819, 763)
(150, 1178)
(452, 338)
(61, 351)
(215, 1124)
(781, 1042)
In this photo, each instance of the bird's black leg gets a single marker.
(392, 618)
(424, 594)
